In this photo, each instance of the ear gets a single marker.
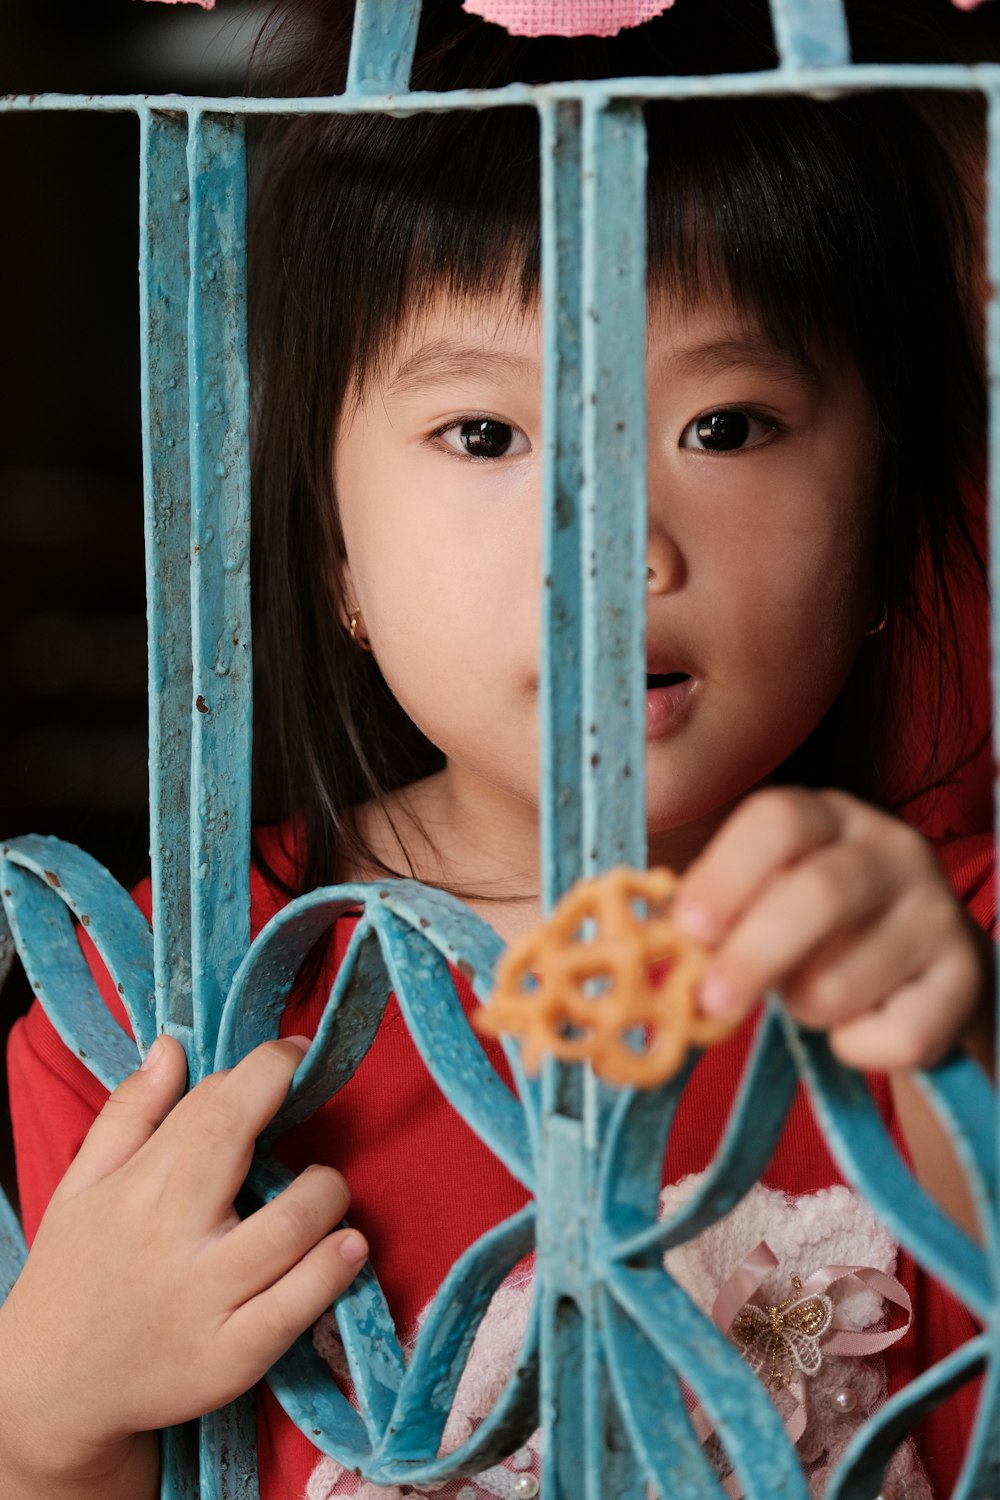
(342, 591)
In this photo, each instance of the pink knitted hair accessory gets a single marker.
(566, 17)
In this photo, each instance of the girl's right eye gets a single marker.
(484, 438)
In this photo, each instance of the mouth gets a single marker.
(668, 702)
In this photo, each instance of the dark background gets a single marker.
(72, 627)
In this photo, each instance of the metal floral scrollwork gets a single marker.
(658, 1344)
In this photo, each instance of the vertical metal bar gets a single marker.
(220, 571)
(228, 1451)
(382, 46)
(163, 293)
(613, 767)
(614, 485)
(811, 33)
(594, 545)
(179, 1463)
(562, 1267)
(561, 661)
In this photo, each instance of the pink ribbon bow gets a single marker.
(736, 1299)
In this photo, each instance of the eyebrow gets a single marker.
(446, 359)
(750, 351)
(450, 359)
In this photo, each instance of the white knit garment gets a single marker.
(831, 1227)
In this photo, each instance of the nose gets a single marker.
(665, 566)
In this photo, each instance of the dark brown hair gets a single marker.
(825, 220)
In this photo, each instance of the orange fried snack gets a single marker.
(608, 980)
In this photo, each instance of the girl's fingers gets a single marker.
(916, 1026)
(132, 1114)
(264, 1327)
(266, 1245)
(769, 831)
(214, 1150)
(860, 968)
(837, 890)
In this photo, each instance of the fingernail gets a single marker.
(302, 1042)
(152, 1056)
(354, 1248)
(716, 996)
(696, 920)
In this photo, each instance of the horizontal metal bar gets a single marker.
(825, 83)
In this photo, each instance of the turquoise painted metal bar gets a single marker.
(560, 661)
(613, 501)
(220, 571)
(611, 1336)
(385, 34)
(163, 299)
(811, 33)
(825, 82)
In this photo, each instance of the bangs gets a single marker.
(448, 206)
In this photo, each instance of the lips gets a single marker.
(668, 698)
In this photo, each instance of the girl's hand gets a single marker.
(145, 1300)
(845, 911)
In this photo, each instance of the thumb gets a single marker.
(139, 1104)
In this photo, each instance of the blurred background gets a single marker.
(72, 626)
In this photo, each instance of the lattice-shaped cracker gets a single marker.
(608, 980)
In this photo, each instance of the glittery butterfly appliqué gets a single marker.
(775, 1341)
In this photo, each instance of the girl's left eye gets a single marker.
(725, 431)
(485, 437)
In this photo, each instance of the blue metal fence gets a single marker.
(610, 1333)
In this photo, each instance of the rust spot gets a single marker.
(85, 921)
(466, 969)
(424, 922)
(383, 895)
(200, 704)
(121, 989)
(81, 1052)
(53, 879)
(7, 890)
(595, 761)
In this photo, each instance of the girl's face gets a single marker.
(762, 488)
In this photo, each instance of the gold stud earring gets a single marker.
(883, 620)
(357, 631)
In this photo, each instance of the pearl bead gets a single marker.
(526, 1487)
(845, 1400)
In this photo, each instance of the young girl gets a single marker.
(814, 417)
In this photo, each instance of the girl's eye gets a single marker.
(724, 431)
(485, 437)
